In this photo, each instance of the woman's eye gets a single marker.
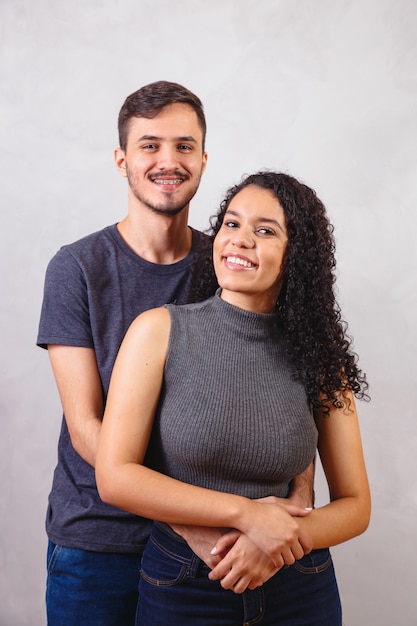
(230, 224)
(265, 231)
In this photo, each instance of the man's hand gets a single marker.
(201, 540)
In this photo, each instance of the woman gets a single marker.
(229, 400)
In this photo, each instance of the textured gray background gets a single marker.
(323, 89)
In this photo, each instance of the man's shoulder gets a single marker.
(88, 252)
(103, 237)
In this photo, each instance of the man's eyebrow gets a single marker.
(187, 138)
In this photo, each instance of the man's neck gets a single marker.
(157, 238)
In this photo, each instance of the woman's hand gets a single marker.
(240, 565)
(243, 565)
(272, 525)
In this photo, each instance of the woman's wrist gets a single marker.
(240, 514)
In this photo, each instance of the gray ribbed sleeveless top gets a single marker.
(231, 417)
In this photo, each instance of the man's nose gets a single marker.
(168, 158)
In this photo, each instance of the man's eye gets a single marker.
(149, 146)
(184, 148)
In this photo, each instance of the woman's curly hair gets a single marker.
(317, 342)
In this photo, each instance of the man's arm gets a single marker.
(79, 386)
(302, 487)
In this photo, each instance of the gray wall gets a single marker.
(323, 89)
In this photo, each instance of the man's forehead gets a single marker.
(176, 121)
(187, 138)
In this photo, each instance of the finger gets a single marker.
(221, 569)
(297, 551)
(234, 582)
(254, 585)
(295, 510)
(241, 586)
(278, 561)
(293, 553)
(287, 556)
(305, 542)
(270, 500)
(230, 578)
(225, 542)
(211, 561)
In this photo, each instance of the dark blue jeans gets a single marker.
(174, 590)
(91, 588)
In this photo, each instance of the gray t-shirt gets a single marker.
(94, 288)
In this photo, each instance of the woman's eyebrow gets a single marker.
(268, 220)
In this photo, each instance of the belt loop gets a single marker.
(194, 566)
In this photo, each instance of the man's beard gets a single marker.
(170, 205)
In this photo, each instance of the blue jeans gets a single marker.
(91, 588)
(174, 590)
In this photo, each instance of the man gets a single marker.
(94, 289)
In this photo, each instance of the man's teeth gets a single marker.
(163, 181)
(239, 261)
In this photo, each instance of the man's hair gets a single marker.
(151, 99)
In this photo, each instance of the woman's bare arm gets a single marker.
(124, 482)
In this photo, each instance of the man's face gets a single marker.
(164, 159)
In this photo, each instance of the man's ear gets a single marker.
(205, 157)
(120, 161)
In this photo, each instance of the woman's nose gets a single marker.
(243, 238)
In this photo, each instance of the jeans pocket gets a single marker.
(52, 557)
(315, 562)
(161, 566)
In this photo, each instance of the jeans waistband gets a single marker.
(166, 528)
(177, 547)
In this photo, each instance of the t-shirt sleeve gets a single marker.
(65, 318)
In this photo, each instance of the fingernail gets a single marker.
(214, 550)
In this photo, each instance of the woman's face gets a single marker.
(249, 250)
